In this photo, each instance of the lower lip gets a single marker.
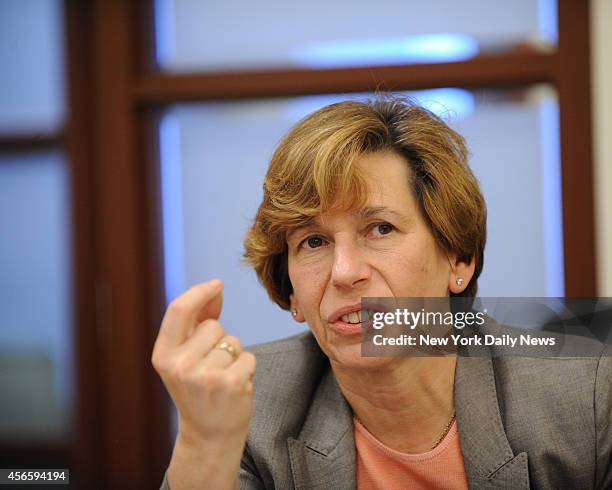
(344, 328)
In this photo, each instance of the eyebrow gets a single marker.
(370, 211)
(304, 226)
(364, 213)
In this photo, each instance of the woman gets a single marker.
(371, 200)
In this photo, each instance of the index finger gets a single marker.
(203, 299)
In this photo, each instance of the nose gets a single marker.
(350, 269)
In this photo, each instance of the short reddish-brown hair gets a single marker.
(314, 168)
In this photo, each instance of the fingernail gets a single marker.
(215, 283)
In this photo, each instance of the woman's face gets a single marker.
(382, 250)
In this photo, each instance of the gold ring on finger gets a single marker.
(227, 347)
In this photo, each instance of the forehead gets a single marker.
(388, 184)
(383, 164)
(388, 193)
(363, 213)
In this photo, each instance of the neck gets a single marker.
(407, 404)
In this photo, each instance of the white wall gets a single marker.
(601, 39)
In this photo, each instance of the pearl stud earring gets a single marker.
(459, 281)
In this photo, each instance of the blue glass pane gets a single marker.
(32, 66)
(211, 187)
(516, 157)
(35, 298)
(201, 36)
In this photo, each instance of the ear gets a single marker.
(461, 274)
(295, 307)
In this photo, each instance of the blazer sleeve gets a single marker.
(603, 419)
(247, 479)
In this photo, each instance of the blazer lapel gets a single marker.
(323, 455)
(488, 457)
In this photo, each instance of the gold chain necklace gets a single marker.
(446, 429)
(440, 439)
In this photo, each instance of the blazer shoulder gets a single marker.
(287, 374)
(548, 409)
(298, 356)
(303, 341)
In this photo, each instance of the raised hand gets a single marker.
(208, 376)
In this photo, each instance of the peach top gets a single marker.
(382, 468)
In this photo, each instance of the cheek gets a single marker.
(309, 282)
(416, 270)
(434, 274)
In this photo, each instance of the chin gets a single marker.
(349, 356)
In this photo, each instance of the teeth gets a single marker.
(358, 316)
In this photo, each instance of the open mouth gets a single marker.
(358, 316)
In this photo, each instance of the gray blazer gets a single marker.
(523, 422)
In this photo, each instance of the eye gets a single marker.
(312, 242)
(380, 229)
